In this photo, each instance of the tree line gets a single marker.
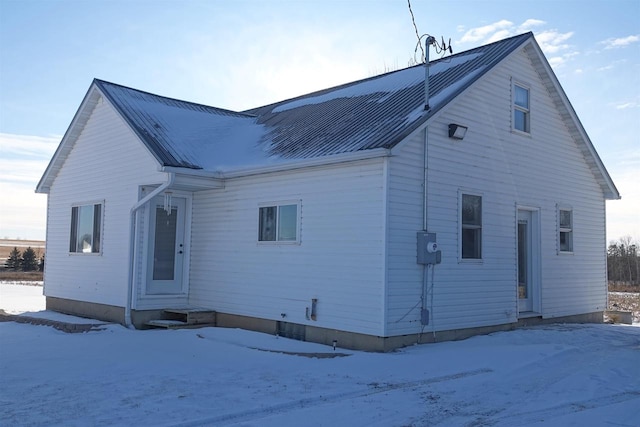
(25, 261)
(623, 262)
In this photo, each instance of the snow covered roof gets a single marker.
(377, 112)
(358, 119)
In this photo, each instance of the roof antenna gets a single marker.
(441, 48)
(430, 41)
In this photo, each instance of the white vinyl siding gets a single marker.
(339, 261)
(107, 163)
(508, 171)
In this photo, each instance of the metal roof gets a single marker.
(377, 112)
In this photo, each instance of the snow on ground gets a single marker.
(557, 375)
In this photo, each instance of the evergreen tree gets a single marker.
(15, 259)
(29, 260)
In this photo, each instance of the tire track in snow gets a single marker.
(251, 414)
(544, 415)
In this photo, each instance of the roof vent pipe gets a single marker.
(430, 41)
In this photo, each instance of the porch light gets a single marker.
(457, 131)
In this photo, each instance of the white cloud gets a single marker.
(626, 105)
(552, 41)
(28, 145)
(486, 32)
(556, 61)
(529, 24)
(24, 159)
(613, 43)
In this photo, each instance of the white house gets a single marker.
(307, 217)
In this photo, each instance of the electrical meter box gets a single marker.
(428, 252)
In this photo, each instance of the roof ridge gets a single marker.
(377, 76)
(102, 83)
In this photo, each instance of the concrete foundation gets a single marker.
(343, 339)
(90, 310)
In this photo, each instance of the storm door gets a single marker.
(528, 261)
(166, 246)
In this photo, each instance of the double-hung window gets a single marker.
(565, 230)
(86, 223)
(278, 223)
(471, 226)
(521, 109)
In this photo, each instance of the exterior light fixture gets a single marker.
(457, 131)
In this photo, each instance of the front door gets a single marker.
(527, 262)
(166, 246)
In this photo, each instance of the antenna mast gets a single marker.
(430, 40)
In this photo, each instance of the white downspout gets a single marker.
(132, 244)
(425, 223)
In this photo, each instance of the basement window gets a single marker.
(86, 223)
(279, 223)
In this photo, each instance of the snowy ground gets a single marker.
(558, 375)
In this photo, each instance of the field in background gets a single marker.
(6, 246)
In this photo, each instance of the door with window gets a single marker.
(528, 277)
(166, 246)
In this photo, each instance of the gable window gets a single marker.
(565, 230)
(86, 222)
(471, 226)
(521, 112)
(278, 223)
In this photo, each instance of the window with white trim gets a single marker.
(278, 223)
(521, 108)
(471, 226)
(86, 223)
(565, 230)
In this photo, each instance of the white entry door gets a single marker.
(166, 246)
(528, 278)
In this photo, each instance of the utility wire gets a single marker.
(415, 27)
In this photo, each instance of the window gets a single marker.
(86, 221)
(278, 223)
(565, 230)
(471, 226)
(521, 119)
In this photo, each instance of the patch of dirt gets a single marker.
(626, 301)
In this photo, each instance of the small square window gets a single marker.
(471, 227)
(278, 223)
(565, 230)
(86, 222)
(521, 109)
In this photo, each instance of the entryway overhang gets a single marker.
(193, 179)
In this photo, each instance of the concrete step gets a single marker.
(168, 324)
(174, 318)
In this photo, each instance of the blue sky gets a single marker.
(242, 54)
